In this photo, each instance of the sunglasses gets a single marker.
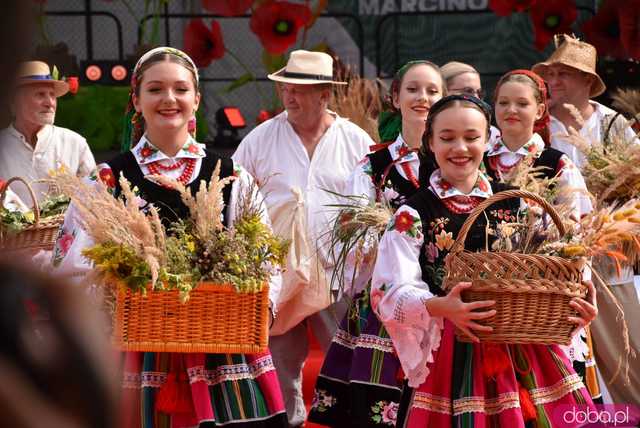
(478, 93)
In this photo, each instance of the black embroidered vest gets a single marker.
(380, 162)
(548, 160)
(167, 201)
(441, 226)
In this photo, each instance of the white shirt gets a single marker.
(55, 147)
(68, 261)
(275, 156)
(591, 131)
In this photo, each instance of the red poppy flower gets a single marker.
(550, 18)
(107, 177)
(193, 149)
(74, 84)
(532, 148)
(507, 7)
(404, 222)
(482, 185)
(227, 7)
(203, 45)
(614, 29)
(276, 23)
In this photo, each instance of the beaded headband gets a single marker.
(443, 102)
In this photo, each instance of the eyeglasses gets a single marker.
(478, 93)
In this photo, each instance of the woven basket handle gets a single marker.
(36, 208)
(458, 245)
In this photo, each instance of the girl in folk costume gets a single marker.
(361, 381)
(522, 115)
(458, 383)
(173, 389)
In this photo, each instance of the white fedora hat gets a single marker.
(32, 72)
(306, 68)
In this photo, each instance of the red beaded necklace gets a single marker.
(185, 177)
(410, 175)
(460, 204)
(179, 163)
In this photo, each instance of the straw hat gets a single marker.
(576, 54)
(306, 68)
(32, 72)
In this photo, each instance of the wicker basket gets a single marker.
(216, 319)
(39, 236)
(532, 292)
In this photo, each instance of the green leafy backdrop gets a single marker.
(97, 112)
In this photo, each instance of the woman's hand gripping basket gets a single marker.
(532, 291)
(41, 235)
(216, 319)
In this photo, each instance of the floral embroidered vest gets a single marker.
(167, 201)
(441, 226)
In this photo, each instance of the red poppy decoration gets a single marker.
(263, 116)
(74, 84)
(404, 222)
(276, 23)
(614, 29)
(227, 7)
(107, 177)
(482, 185)
(202, 44)
(193, 149)
(507, 7)
(550, 18)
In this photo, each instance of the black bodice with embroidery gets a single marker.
(441, 226)
(381, 164)
(549, 160)
(167, 201)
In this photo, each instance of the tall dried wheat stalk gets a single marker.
(627, 101)
(109, 220)
(359, 101)
(206, 206)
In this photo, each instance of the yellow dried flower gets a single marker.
(574, 251)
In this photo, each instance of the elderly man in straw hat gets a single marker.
(302, 157)
(571, 74)
(32, 146)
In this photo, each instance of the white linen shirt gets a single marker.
(275, 156)
(55, 147)
(591, 131)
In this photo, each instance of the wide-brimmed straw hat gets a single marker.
(306, 68)
(32, 72)
(576, 54)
